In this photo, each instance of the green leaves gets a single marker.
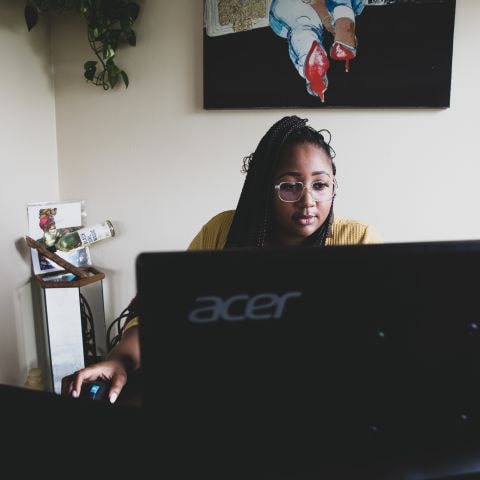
(133, 10)
(31, 16)
(131, 38)
(90, 70)
(109, 25)
(124, 78)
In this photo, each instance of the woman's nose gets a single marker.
(307, 198)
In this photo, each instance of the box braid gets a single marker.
(252, 218)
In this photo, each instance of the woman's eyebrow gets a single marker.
(298, 174)
(289, 174)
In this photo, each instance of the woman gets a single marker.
(286, 201)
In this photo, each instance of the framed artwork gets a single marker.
(47, 222)
(327, 53)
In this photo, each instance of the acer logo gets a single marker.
(263, 306)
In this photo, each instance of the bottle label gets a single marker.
(89, 235)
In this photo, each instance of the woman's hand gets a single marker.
(124, 358)
(112, 371)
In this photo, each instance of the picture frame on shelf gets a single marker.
(47, 222)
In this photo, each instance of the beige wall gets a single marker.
(29, 174)
(139, 156)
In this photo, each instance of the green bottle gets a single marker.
(85, 237)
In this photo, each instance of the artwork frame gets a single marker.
(48, 221)
(403, 60)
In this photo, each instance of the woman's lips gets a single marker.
(304, 220)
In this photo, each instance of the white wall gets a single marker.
(29, 174)
(138, 156)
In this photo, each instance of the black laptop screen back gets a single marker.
(296, 357)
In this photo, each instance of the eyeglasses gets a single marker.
(320, 190)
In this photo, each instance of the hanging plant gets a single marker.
(109, 25)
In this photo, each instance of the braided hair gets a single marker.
(252, 219)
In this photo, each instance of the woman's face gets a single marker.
(293, 222)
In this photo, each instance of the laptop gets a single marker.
(348, 362)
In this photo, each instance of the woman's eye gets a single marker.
(291, 187)
(319, 186)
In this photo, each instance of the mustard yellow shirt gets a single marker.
(213, 236)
